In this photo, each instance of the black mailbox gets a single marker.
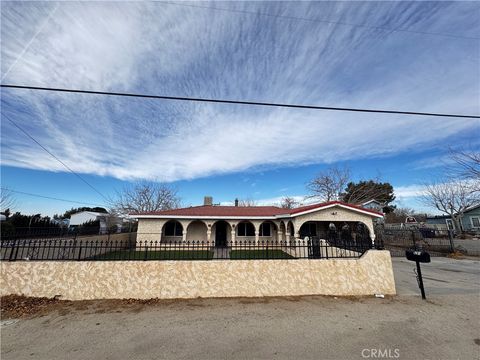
(418, 255)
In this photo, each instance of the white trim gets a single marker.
(275, 217)
(196, 217)
(471, 221)
(340, 205)
(451, 221)
(370, 201)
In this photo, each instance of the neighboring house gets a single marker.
(470, 221)
(227, 224)
(106, 220)
(373, 205)
(61, 222)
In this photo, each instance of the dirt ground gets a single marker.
(446, 326)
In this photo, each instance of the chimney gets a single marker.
(236, 202)
(208, 200)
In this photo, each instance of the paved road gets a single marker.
(446, 326)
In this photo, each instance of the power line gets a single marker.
(240, 102)
(288, 17)
(49, 197)
(56, 158)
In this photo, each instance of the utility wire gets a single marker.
(50, 197)
(240, 102)
(288, 17)
(56, 158)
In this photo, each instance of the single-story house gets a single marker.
(227, 224)
(106, 220)
(373, 205)
(469, 221)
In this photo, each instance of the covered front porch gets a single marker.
(221, 233)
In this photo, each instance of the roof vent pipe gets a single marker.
(236, 202)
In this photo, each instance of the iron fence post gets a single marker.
(450, 238)
(12, 251)
(16, 251)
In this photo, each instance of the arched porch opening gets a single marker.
(267, 232)
(221, 233)
(245, 231)
(290, 230)
(338, 233)
(172, 231)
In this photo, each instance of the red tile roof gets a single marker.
(246, 211)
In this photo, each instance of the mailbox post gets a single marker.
(418, 255)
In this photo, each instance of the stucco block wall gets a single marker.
(149, 229)
(197, 231)
(370, 274)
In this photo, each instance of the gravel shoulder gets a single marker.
(446, 326)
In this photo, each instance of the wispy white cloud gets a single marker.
(276, 201)
(175, 50)
(409, 191)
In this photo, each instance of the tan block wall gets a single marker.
(370, 274)
(196, 231)
(149, 229)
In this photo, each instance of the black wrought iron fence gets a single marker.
(436, 242)
(110, 249)
(29, 233)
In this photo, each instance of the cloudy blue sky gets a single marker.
(419, 56)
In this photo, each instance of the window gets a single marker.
(245, 229)
(449, 224)
(265, 229)
(173, 228)
(475, 221)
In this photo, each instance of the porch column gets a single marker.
(233, 236)
(280, 235)
(371, 230)
(209, 235)
(257, 236)
(184, 235)
(287, 238)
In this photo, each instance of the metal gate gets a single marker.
(436, 242)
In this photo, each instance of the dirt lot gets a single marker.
(447, 326)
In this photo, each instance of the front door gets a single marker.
(221, 234)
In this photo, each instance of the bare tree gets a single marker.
(247, 202)
(145, 196)
(400, 214)
(465, 165)
(7, 200)
(329, 184)
(288, 202)
(451, 198)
